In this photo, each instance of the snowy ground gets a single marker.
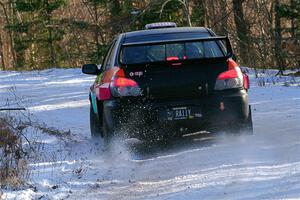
(263, 166)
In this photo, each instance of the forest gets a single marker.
(41, 34)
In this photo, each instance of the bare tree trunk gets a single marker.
(278, 39)
(206, 15)
(52, 55)
(187, 11)
(293, 28)
(51, 48)
(96, 33)
(1, 53)
(197, 6)
(241, 29)
(10, 33)
(211, 13)
(224, 17)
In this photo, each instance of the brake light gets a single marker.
(121, 86)
(228, 74)
(115, 84)
(232, 65)
(172, 58)
(124, 82)
(233, 78)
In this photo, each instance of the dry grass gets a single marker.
(13, 165)
(14, 155)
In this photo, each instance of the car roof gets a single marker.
(166, 31)
(166, 34)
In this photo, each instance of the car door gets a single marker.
(105, 65)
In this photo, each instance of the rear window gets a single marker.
(150, 53)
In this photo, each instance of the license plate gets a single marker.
(179, 113)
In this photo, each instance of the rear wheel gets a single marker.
(248, 126)
(245, 127)
(95, 125)
(107, 131)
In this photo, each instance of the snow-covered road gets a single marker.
(263, 166)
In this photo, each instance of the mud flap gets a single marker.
(249, 123)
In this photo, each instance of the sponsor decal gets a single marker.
(139, 74)
(199, 115)
(94, 102)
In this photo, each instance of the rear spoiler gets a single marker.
(217, 38)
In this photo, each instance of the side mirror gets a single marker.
(91, 69)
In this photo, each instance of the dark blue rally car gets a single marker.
(167, 81)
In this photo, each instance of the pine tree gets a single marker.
(98, 49)
(37, 33)
(291, 12)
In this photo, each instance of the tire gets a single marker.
(107, 132)
(245, 127)
(248, 126)
(95, 125)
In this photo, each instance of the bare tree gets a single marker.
(1, 53)
(4, 8)
(241, 29)
(278, 38)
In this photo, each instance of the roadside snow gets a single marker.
(263, 166)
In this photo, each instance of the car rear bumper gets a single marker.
(221, 109)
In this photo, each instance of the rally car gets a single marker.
(166, 81)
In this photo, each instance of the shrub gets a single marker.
(13, 165)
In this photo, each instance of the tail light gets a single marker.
(121, 87)
(115, 84)
(246, 81)
(172, 58)
(233, 78)
(104, 92)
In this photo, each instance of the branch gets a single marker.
(11, 109)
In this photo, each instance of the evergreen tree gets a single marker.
(198, 13)
(292, 12)
(37, 33)
(99, 46)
